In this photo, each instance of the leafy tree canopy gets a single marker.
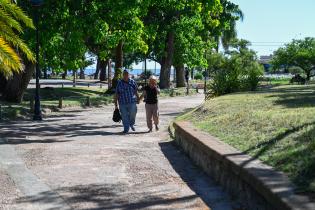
(300, 53)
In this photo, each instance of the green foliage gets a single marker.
(117, 76)
(296, 70)
(251, 77)
(237, 71)
(225, 31)
(299, 53)
(12, 47)
(190, 21)
(68, 34)
(198, 76)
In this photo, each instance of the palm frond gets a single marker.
(8, 20)
(11, 45)
(8, 57)
(5, 70)
(16, 12)
(17, 42)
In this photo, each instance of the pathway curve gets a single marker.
(77, 159)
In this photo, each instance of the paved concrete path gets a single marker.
(77, 159)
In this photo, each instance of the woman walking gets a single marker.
(150, 95)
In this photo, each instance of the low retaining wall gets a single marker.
(256, 185)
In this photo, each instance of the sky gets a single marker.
(268, 24)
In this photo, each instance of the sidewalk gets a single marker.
(78, 159)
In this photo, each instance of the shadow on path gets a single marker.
(105, 196)
(196, 179)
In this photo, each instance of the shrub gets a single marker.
(252, 75)
(198, 76)
(239, 71)
(296, 70)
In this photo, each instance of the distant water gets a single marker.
(132, 71)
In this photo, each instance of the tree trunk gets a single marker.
(64, 75)
(118, 64)
(119, 61)
(308, 75)
(82, 75)
(167, 61)
(103, 67)
(97, 68)
(192, 74)
(109, 74)
(180, 75)
(217, 41)
(74, 74)
(16, 86)
(45, 73)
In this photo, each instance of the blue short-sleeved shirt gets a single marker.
(127, 91)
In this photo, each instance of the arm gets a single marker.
(116, 96)
(138, 97)
(136, 92)
(144, 95)
(158, 90)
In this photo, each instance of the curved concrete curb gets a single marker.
(255, 184)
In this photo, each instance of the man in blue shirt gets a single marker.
(126, 95)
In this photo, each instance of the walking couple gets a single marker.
(127, 97)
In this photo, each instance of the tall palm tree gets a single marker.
(230, 15)
(11, 45)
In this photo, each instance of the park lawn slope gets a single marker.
(276, 125)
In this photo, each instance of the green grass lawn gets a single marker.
(72, 97)
(274, 81)
(276, 125)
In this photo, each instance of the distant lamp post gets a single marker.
(37, 110)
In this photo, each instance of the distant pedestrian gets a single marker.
(150, 95)
(126, 96)
(186, 75)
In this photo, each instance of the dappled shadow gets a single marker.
(288, 96)
(263, 147)
(15, 141)
(111, 196)
(199, 182)
(50, 130)
(299, 156)
(295, 99)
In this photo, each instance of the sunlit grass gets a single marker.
(276, 125)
